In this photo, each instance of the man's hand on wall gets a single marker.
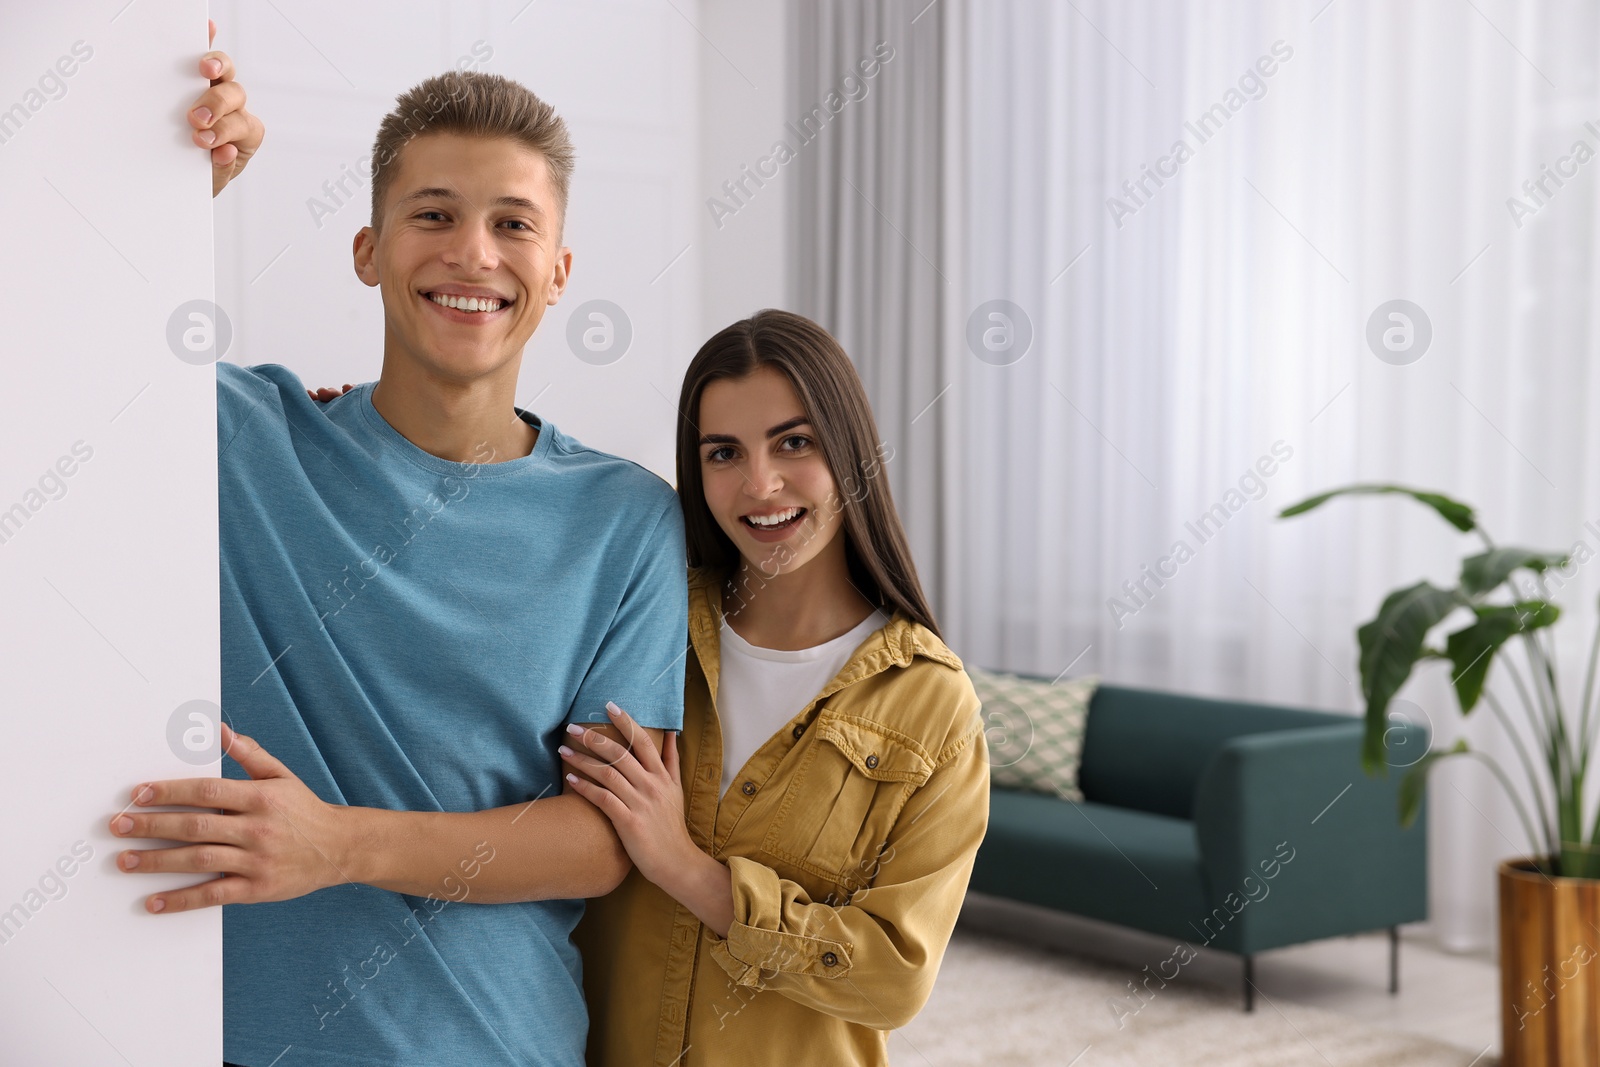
(221, 123)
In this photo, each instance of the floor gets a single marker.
(1444, 996)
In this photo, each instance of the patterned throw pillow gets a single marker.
(1034, 730)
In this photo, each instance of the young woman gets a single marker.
(802, 850)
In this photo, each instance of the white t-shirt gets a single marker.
(761, 689)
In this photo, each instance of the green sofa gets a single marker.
(1242, 827)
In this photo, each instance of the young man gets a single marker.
(421, 587)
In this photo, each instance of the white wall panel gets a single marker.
(108, 532)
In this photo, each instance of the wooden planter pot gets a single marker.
(1549, 968)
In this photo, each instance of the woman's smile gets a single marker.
(770, 526)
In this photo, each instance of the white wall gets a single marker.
(744, 92)
(108, 529)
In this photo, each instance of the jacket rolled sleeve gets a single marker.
(871, 960)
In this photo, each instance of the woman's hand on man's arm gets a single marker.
(632, 775)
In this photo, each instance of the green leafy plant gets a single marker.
(1497, 617)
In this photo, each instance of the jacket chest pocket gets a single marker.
(837, 813)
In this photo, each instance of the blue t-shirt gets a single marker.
(410, 633)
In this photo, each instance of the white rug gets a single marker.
(999, 1003)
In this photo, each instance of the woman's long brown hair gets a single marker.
(876, 549)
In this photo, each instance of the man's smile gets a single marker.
(467, 304)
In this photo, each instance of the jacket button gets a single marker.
(829, 959)
(798, 730)
(749, 789)
(872, 761)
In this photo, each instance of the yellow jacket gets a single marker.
(850, 834)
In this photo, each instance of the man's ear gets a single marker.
(364, 249)
(559, 276)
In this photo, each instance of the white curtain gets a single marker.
(870, 222)
(1191, 334)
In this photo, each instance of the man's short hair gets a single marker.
(478, 104)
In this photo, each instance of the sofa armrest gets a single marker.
(1298, 843)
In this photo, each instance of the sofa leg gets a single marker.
(1249, 983)
(1394, 960)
